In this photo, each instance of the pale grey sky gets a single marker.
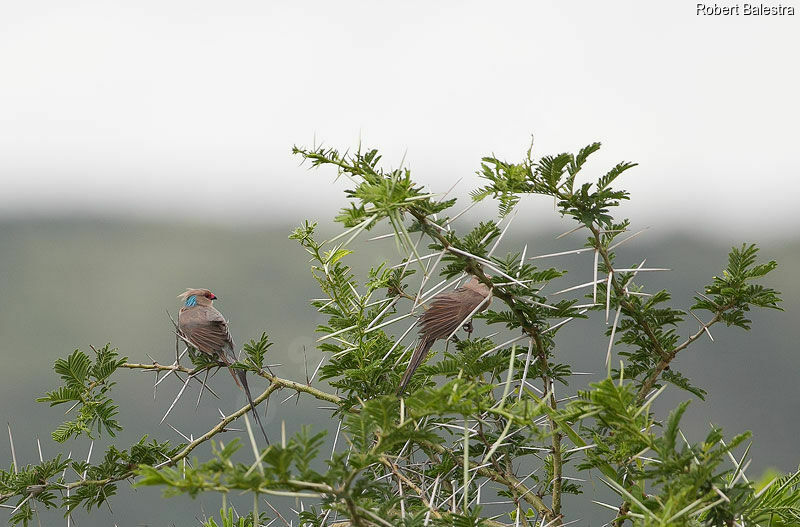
(189, 109)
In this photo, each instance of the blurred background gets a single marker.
(145, 148)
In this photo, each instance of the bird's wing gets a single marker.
(448, 312)
(207, 330)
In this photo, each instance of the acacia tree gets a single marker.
(495, 416)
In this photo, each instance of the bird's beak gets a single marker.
(214, 297)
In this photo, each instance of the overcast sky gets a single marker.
(189, 108)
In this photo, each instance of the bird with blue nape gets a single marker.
(205, 329)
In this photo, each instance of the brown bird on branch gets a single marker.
(448, 312)
(205, 329)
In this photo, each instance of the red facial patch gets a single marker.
(211, 296)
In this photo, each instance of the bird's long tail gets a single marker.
(242, 381)
(420, 352)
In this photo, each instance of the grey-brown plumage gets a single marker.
(202, 326)
(447, 313)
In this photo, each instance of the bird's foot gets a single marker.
(468, 328)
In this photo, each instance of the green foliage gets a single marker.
(611, 414)
(554, 176)
(29, 485)
(100, 479)
(687, 477)
(777, 504)
(649, 329)
(255, 351)
(227, 520)
(490, 414)
(86, 384)
(731, 295)
(46, 482)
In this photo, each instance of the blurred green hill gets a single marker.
(67, 283)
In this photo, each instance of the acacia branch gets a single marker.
(413, 486)
(279, 382)
(556, 435)
(620, 293)
(220, 426)
(666, 355)
(504, 478)
(276, 383)
(474, 268)
(662, 365)
(188, 448)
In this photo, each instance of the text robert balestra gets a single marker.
(745, 10)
